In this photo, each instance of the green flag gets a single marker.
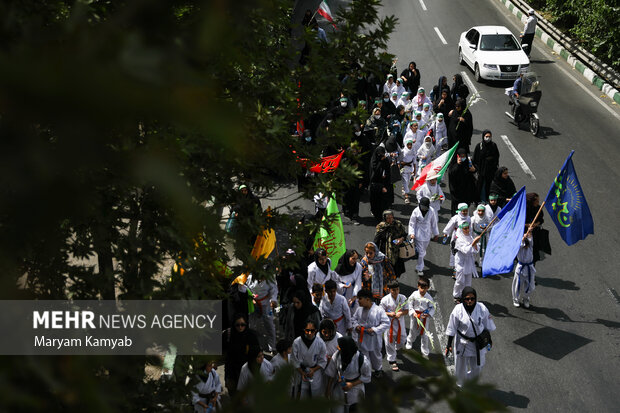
(332, 238)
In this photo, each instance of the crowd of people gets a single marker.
(332, 322)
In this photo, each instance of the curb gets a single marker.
(574, 62)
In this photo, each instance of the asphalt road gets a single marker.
(562, 353)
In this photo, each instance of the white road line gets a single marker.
(471, 86)
(440, 330)
(520, 160)
(423, 5)
(440, 36)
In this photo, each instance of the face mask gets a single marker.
(440, 120)
(487, 139)
(308, 138)
(329, 121)
(343, 104)
(358, 133)
(386, 99)
(377, 116)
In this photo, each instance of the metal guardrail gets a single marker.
(603, 70)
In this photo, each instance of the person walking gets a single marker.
(468, 319)
(529, 31)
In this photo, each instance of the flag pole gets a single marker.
(536, 217)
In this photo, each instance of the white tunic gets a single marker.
(278, 362)
(212, 384)
(317, 276)
(374, 318)
(423, 227)
(441, 131)
(478, 221)
(433, 193)
(389, 305)
(309, 357)
(490, 214)
(389, 88)
(453, 224)
(265, 291)
(266, 371)
(464, 261)
(349, 285)
(460, 321)
(417, 303)
(331, 347)
(351, 373)
(338, 311)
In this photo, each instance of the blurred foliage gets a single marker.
(124, 129)
(594, 24)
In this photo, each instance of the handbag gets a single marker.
(406, 250)
(483, 339)
(394, 173)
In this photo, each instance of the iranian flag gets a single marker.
(326, 13)
(437, 167)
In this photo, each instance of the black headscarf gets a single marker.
(253, 353)
(505, 188)
(379, 167)
(531, 210)
(308, 341)
(469, 307)
(320, 252)
(301, 315)
(348, 348)
(344, 266)
(461, 181)
(424, 206)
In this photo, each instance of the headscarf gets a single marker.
(409, 154)
(301, 315)
(505, 185)
(308, 341)
(320, 252)
(466, 291)
(427, 149)
(531, 210)
(375, 266)
(348, 348)
(253, 353)
(344, 267)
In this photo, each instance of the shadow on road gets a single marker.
(553, 313)
(557, 283)
(552, 343)
(509, 398)
(546, 131)
(608, 323)
(543, 62)
(497, 310)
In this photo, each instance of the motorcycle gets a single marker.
(525, 108)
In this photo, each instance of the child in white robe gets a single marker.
(465, 247)
(426, 154)
(450, 231)
(523, 280)
(441, 132)
(369, 323)
(394, 305)
(422, 228)
(431, 190)
(408, 164)
(479, 222)
(335, 307)
(422, 308)
(206, 396)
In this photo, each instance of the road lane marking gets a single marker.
(423, 5)
(440, 36)
(471, 86)
(516, 154)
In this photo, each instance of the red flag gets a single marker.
(327, 164)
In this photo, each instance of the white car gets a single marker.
(493, 52)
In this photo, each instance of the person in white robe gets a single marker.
(256, 364)
(404, 100)
(420, 99)
(491, 210)
(347, 373)
(408, 165)
(349, 278)
(466, 248)
(320, 270)
(265, 300)
(431, 190)
(468, 320)
(441, 132)
(422, 227)
(523, 281)
(395, 307)
(335, 307)
(389, 86)
(206, 393)
(427, 114)
(400, 89)
(479, 223)
(422, 308)
(426, 154)
(329, 335)
(450, 230)
(309, 359)
(369, 323)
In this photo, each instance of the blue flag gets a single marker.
(506, 236)
(567, 205)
